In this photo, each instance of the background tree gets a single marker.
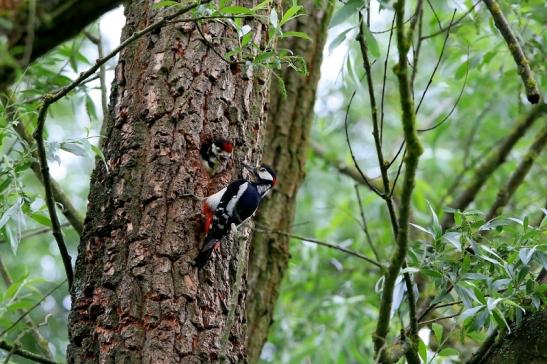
(480, 152)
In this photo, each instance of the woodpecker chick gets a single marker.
(215, 154)
(231, 206)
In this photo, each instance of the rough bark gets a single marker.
(53, 22)
(285, 148)
(136, 296)
(527, 344)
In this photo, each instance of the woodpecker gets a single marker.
(215, 154)
(231, 206)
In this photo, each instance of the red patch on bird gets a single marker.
(273, 181)
(208, 217)
(228, 147)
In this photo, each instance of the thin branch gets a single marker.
(37, 231)
(495, 158)
(435, 14)
(523, 66)
(32, 308)
(363, 176)
(345, 169)
(50, 201)
(453, 24)
(322, 243)
(70, 212)
(373, 107)
(436, 64)
(516, 179)
(441, 122)
(384, 82)
(25, 353)
(397, 154)
(398, 173)
(423, 323)
(364, 222)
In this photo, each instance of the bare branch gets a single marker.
(495, 158)
(452, 24)
(345, 169)
(506, 192)
(50, 201)
(523, 66)
(323, 243)
(384, 82)
(363, 176)
(436, 64)
(32, 308)
(364, 222)
(25, 353)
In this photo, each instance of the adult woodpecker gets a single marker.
(231, 206)
(215, 154)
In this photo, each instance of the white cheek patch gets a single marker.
(265, 175)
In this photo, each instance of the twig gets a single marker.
(453, 24)
(398, 173)
(363, 176)
(422, 323)
(322, 243)
(67, 208)
(384, 82)
(506, 192)
(494, 159)
(396, 154)
(25, 353)
(345, 169)
(364, 221)
(436, 125)
(29, 40)
(32, 308)
(373, 107)
(436, 64)
(37, 231)
(523, 66)
(435, 14)
(50, 201)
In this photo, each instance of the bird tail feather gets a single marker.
(205, 253)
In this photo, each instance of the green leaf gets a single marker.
(99, 153)
(422, 350)
(236, 10)
(274, 19)
(41, 219)
(525, 254)
(165, 4)
(437, 229)
(263, 5)
(449, 352)
(289, 14)
(90, 108)
(345, 12)
(339, 39)
(11, 212)
(438, 331)
(74, 147)
(296, 34)
(372, 43)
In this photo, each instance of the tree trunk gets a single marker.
(136, 295)
(285, 148)
(527, 344)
